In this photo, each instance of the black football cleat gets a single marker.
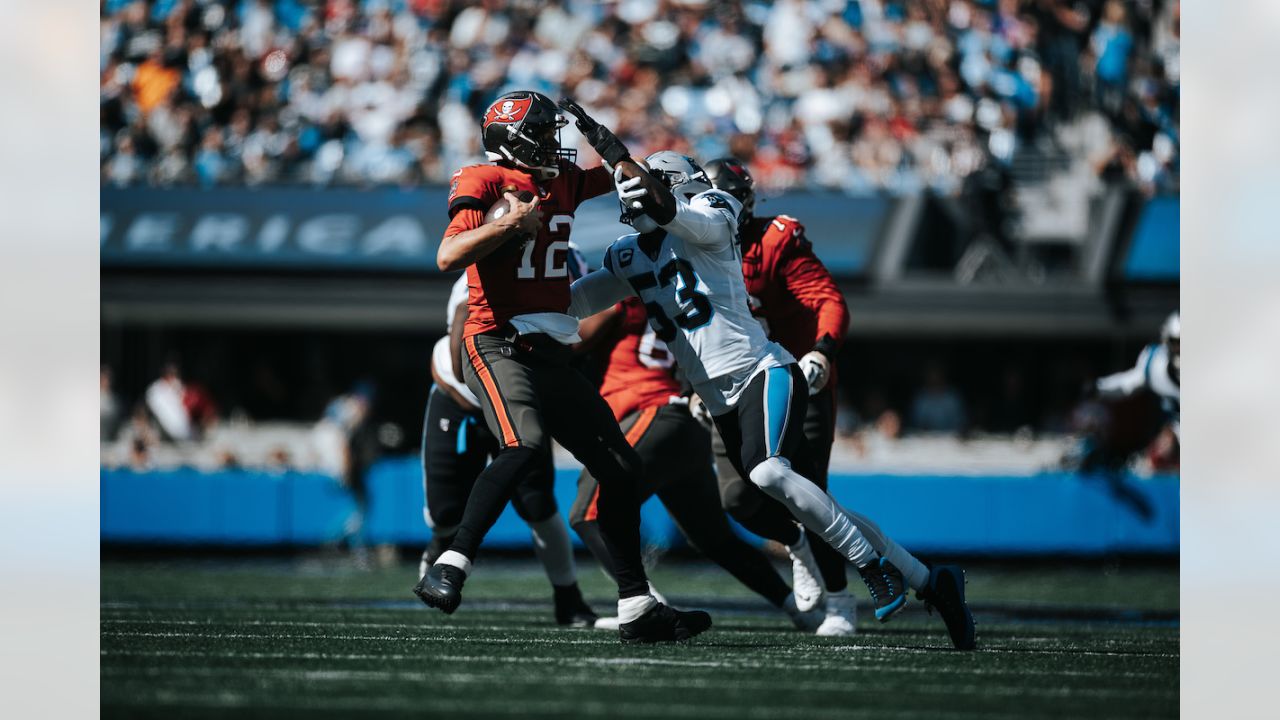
(664, 624)
(887, 587)
(945, 592)
(441, 587)
(571, 609)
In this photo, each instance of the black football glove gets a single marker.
(600, 137)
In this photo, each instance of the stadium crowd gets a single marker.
(864, 96)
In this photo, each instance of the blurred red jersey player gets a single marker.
(640, 386)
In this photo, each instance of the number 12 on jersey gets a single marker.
(555, 260)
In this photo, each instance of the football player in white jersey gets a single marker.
(457, 445)
(1159, 369)
(683, 264)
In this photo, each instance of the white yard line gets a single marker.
(735, 664)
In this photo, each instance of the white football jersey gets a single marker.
(440, 356)
(1152, 373)
(691, 284)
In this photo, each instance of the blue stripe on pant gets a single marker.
(777, 394)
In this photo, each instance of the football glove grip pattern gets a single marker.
(600, 137)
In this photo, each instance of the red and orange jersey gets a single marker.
(520, 277)
(640, 371)
(792, 292)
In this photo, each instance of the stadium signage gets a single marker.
(387, 229)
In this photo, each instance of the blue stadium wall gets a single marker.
(1047, 513)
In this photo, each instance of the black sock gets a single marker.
(493, 489)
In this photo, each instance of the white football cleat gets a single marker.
(806, 579)
(806, 621)
(841, 618)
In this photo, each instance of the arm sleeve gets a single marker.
(1128, 382)
(595, 292)
(709, 219)
(464, 219)
(593, 183)
(809, 281)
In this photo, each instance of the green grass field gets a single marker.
(319, 637)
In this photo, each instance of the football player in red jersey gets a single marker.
(797, 301)
(640, 386)
(516, 352)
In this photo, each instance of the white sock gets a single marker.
(456, 559)
(813, 507)
(838, 595)
(555, 551)
(913, 571)
(633, 607)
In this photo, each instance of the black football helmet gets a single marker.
(731, 175)
(522, 129)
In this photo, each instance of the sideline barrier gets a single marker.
(1048, 513)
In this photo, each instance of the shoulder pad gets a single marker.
(619, 253)
(718, 199)
(784, 231)
(470, 185)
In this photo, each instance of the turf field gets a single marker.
(320, 637)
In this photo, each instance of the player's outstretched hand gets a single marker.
(816, 369)
(630, 190)
(601, 138)
(585, 122)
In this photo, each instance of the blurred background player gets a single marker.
(800, 307)
(1135, 413)
(516, 341)
(640, 386)
(1159, 370)
(456, 446)
(684, 264)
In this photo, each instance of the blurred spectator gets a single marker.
(1111, 43)
(338, 432)
(165, 401)
(139, 437)
(937, 406)
(200, 407)
(108, 406)
(867, 96)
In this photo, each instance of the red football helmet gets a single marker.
(731, 175)
(522, 129)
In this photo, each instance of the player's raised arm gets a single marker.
(700, 215)
(654, 198)
(468, 238)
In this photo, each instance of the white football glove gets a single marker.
(629, 190)
(699, 411)
(816, 369)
